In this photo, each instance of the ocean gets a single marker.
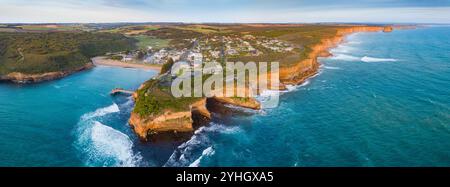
(383, 99)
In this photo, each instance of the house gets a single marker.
(149, 59)
(232, 52)
(181, 68)
(128, 58)
(289, 49)
(213, 68)
(215, 54)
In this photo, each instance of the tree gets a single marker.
(140, 55)
(167, 66)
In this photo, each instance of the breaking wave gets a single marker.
(101, 145)
(342, 49)
(207, 152)
(101, 112)
(372, 59)
(198, 147)
(331, 67)
(344, 57)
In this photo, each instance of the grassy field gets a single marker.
(156, 43)
(204, 29)
(133, 30)
(7, 30)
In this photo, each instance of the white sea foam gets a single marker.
(114, 108)
(331, 67)
(207, 152)
(354, 42)
(372, 59)
(188, 153)
(344, 57)
(242, 109)
(102, 145)
(342, 49)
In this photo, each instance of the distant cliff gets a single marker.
(302, 70)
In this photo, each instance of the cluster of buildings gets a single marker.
(235, 45)
(161, 56)
(211, 49)
(275, 45)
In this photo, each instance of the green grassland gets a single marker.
(55, 28)
(145, 41)
(204, 29)
(56, 51)
(179, 38)
(133, 29)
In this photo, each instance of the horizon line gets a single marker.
(181, 22)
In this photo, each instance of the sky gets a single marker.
(227, 11)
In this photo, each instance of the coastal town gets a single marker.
(206, 49)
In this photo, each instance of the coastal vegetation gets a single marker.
(42, 52)
(167, 66)
(155, 98)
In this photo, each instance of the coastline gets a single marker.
(307, 68)
(23, 78)
(101, 60)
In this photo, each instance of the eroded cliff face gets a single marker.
(22, 78)
(175, 122)
(183, 122)
(306, 68)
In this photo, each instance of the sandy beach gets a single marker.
(116, 63)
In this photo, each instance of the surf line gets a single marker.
(189, 177)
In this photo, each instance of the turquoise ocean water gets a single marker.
(382, 100)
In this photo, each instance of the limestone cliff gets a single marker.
(176, 122)
(308, 67)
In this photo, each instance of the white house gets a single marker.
(127, 58)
